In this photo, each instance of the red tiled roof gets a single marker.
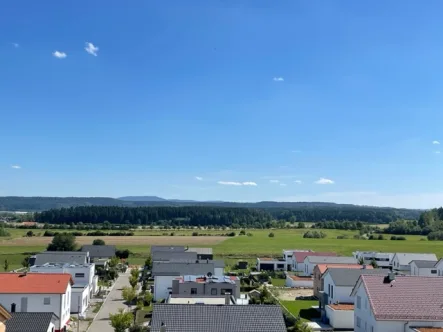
(410, 298)
(34, 283)
(324, 267)
(344, 306)
(301, 255)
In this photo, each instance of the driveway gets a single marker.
(112, 303)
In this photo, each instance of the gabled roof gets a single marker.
(408, 298)
(301, 255)
(167, 248)
(99, 251)
(30, 321)
(406, 258)
(424, 264)
(218, 318)
(61, 257)
(323, 267)
(331, 260)
(175, 256)
(4, 314)
(34, 283)
(349, 277)
(181, 268)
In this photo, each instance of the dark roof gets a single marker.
(175, 256)
(99, 251)
(331, 260)
(408, 298)
(424, 264)
(216, 262)
(218, 318)
(61, 257)
(201, 251)
(167, 248)
(181, 268)
(30, 321)
(348, 277)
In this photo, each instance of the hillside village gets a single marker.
(183, 289)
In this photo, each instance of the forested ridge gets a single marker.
(214, 215)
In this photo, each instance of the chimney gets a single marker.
(227, 299)
(13, 307)
(163, 327)
(391, 276)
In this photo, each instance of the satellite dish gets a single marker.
(209, 274)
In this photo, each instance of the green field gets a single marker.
(234, 248)
(302, 308)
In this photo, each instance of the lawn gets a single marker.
(302, 308)
(278, 282)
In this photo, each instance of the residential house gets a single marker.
(439, 267)
(99, 252)
(4, 316)
(173, 256)
(206, 286)
(398, 303)
(165, 272)
(400, 261)
(311, 261)
(298, 259)
(382, 259)
(71, 257)
(31, 322)
(295, 281)
(202, 253)
(270, 264)
(38, 292)
(423, 268)
(204, 299)
(220, 318)
(338, 285)
(320, 269)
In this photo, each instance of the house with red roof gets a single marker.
(38, 292)
(298, 258)
(391, 303)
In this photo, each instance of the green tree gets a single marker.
(121, 321)
(301, 225)
(25, 261)
(374, 263)
(271, 234)
(98, 242)
(62, 242)
(6, 265)
(135, 273)
(29, 233)
(3, 231)
(361, 261)
(300, 326)
(147, 298)
(148, 262)
(128, 294)
(133, 280)
(113, 262)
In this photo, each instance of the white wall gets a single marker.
(423, 272)
(219, 272)
(340, 319)
(88, 271)
(340, 294)
(161, 285)
(363, 314)
(79, 296)
(399, 326)
(51, 327)
(308, 283)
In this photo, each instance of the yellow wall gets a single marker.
(2, 327)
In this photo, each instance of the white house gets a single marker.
(400, 261)
(299, 281)
(79, 298)
(311, 261)
(383, 259)
(299, 256)
(439, 267)
(398, 303)
(71, 257)
(340, 316)
(424, 268)
(37, 292)
(270, 264)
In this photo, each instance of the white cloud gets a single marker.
(298, 182)
(278, 79)
(234, 183)
(16, 45)
(16, 166)
(198, 178)
(324, 181)
(60, 55)
(274, 181)
(437, 152)
(91, 48)
(436, 142)
(283, 184)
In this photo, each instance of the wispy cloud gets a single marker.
(199, 178)
(59, 55)
(437, 152)
(436, 142)
(283, 184)
(278, 79)
(274, 181)
(91, 48)
(16, 45)
(298, 182)
(16, 166)
(234, 183)
(324, 181)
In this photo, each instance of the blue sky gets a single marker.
(230, 100)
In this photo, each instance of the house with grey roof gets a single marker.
(71, 257)
(31, 321)
(311, 261)
(398, 303)
(401, 261)
(174, 252)
(196, 286)
(99, 252)
(174, 256)
(424, 268)
(217, 318)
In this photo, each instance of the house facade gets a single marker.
(311, 261)
(382, 259)
(38, 292)
(401, 261)
(99, 252)
(203, 286)
(298, 258)
(71, 257)
(270, 264)
(423, 268)
(295, 281)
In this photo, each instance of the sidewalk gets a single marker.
(113, 302)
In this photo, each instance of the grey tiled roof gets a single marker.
(218, 318)
(424, 264)
(348, 277)
(29, 321)
(216, 262)
(181, 268)
(406, 258)
(331, 260)
(167, 248)
(175, 256)
(201, 251)
(99, 251)
(61, 257)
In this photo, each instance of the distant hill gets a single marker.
(142, 199)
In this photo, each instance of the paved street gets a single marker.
(113, 302)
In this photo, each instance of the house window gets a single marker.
(193, 290)
(226, 291)
(213, 291)
(332, 291)
(79, 275)
(358, 322)
(46, 300)
(359, 302)
(434, 271)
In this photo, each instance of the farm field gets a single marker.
(231, 249)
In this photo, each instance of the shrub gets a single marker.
(77, 233)
(194, 233)
(242, 232)
(342, 237)
(98, 242)
(435, 236)
(393, 237)
(231, 234)
(314, 235)
(271, 234)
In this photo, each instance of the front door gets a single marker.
(24, 304)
